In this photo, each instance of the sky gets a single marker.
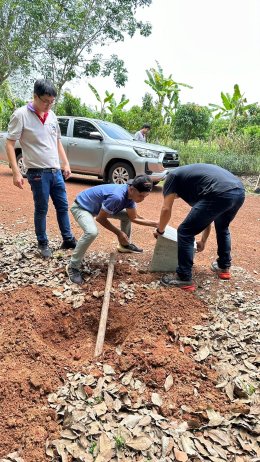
(208, 44)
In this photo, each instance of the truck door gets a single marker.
(63, 123)
(84, 154)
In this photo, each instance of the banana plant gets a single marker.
(108, 98)
(232, 107)
(165, 88)
(114, 106)
(108, 102)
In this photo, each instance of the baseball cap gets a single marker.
(142, 183)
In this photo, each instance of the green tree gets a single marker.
(20, 30)
(71, 106)
(232, 107)
(165, 88)
(254, 114)
(191, 121)
(147, 102)
(76, 27)
(8, 103)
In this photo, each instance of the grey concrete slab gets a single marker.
(165, 256)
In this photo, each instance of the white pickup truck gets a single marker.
(106, 150)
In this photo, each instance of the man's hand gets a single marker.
(18, 180)
(155, 233)
(200, 246)
(66, 171)
(204, 237)
(123, 238)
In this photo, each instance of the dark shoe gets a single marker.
(74, 275)
(170, 280)
(69, 243)
(130, 248)
(45, 250)
(223, 273)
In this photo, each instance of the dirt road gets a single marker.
(16, 211)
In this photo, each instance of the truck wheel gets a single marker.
(120, 173)
(19, 160)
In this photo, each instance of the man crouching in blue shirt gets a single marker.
(101, 203)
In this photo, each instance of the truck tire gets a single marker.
(120, 173)
(19, 160)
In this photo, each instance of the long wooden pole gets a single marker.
(256, 186)
(105, 306)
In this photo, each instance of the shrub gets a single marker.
(218, 127)
(252, 131)
(239, 144)
(212, 153)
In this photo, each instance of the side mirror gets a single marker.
(95, 136)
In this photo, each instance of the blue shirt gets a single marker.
(112, 198)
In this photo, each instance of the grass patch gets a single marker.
(235, 161)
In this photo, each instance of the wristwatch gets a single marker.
(160, 232)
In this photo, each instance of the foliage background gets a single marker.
(58, 39)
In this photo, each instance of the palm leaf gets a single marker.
(109, 97)
(159, 69)
(123, 103)
(237, 94)
(150, 77)
(226, 101)
(216, 107)
(184, 85)
(95, 92)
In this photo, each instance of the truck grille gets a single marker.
(171, 159)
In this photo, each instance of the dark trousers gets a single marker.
(46, 183)
(221, 209)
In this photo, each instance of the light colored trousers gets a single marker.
(87, 222)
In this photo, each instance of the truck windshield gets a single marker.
(115, 131)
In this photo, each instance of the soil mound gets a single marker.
(42, 338)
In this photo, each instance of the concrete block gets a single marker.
(165, 256)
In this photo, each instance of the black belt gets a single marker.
(44, 170)
(76, 202)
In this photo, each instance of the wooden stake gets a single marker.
(256, 186)
(105, 306)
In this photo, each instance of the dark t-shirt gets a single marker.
(196, 181)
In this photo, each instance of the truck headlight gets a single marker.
(143, 152)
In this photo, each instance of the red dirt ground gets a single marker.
(16, 211)
(42, 338)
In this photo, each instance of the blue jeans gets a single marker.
(44, 184)
(221, 209)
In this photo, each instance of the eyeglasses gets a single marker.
(47, 102)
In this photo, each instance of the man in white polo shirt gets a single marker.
(36, 127)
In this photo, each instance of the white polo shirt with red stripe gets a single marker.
(38, 140)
